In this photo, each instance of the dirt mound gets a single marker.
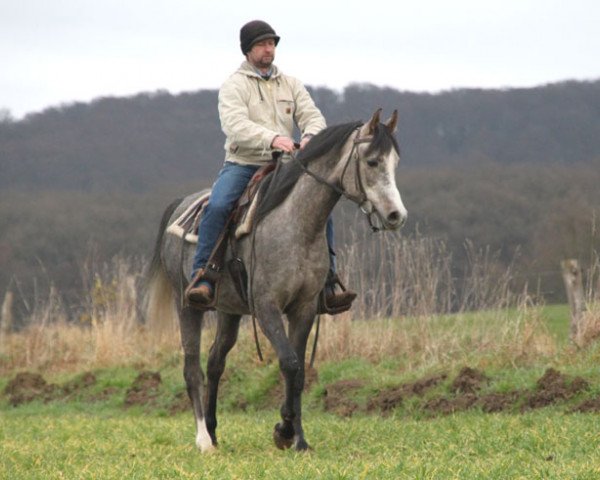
(144, 390)
(589, 406)
(76, 386)
(28, 386)
(464, 393)
(553, 387)
(499, 401)
(338, 397)
(445, 406)
(467, 383)
(469, 380)
(386, 400)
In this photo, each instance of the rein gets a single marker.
(362, 201)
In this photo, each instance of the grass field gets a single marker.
(43, 442)
(388, 406)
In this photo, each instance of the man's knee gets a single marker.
(220, 206)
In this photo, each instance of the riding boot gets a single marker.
(330, 300)
(200, 291)
(337, 301)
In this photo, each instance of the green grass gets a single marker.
(91, 435)
(47, 442)
(557, 318)
(84, 439)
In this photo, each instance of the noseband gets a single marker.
(364, 204)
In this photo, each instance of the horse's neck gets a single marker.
(311, 202)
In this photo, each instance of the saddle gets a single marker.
(186, 225)
(238, 224)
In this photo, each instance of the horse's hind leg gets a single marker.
(227, 333)
(191, 328)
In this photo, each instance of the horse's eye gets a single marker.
(372, 162)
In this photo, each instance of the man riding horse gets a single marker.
(258, 107)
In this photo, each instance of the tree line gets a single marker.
(513, 170)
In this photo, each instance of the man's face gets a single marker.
(262, 54)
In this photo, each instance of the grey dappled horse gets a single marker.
(287, 261)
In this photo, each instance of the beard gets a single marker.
(265, 62)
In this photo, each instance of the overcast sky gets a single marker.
(55, 52)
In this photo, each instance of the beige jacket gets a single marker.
(253, 111)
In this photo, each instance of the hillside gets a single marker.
(138, 143)
(515, 171)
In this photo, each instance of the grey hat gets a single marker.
(256, 31)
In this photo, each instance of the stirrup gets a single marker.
(211, 276)
(323, 307)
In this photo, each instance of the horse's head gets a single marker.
(376, 154)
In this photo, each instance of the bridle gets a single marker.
(364, 204)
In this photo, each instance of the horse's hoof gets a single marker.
(207, 449)
(283, 436)
(205, 444)
(302, 446)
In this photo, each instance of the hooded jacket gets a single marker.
(253, 111)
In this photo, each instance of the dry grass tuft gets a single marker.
(589, 328)
(510, 336)
(410, 307)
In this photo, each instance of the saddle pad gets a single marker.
(187, 221)
(245, 224)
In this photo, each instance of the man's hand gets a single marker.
(284, 144)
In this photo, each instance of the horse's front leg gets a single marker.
(227, 332)
(190, 321)
(271, 322)
(300, 326)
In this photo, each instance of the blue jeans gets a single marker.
(227, 189)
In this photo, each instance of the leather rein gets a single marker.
(361, 200)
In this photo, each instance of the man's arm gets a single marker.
(309, 118)
(236, 123)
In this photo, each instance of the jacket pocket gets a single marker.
(286, 107)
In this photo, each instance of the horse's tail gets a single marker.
(160, 295)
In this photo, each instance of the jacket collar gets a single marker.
(248, 69)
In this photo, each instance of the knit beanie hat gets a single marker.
(256, 31)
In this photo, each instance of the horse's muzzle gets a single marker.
(394, 220)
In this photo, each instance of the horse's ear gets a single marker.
(392, 122)
(373, 122)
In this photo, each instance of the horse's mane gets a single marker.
(276, 187)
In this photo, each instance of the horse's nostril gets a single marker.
(393, 217)
(396, 219)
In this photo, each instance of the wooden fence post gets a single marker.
(6, 318)
(574, 286)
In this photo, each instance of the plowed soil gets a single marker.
(438, 395)
(144, 390)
